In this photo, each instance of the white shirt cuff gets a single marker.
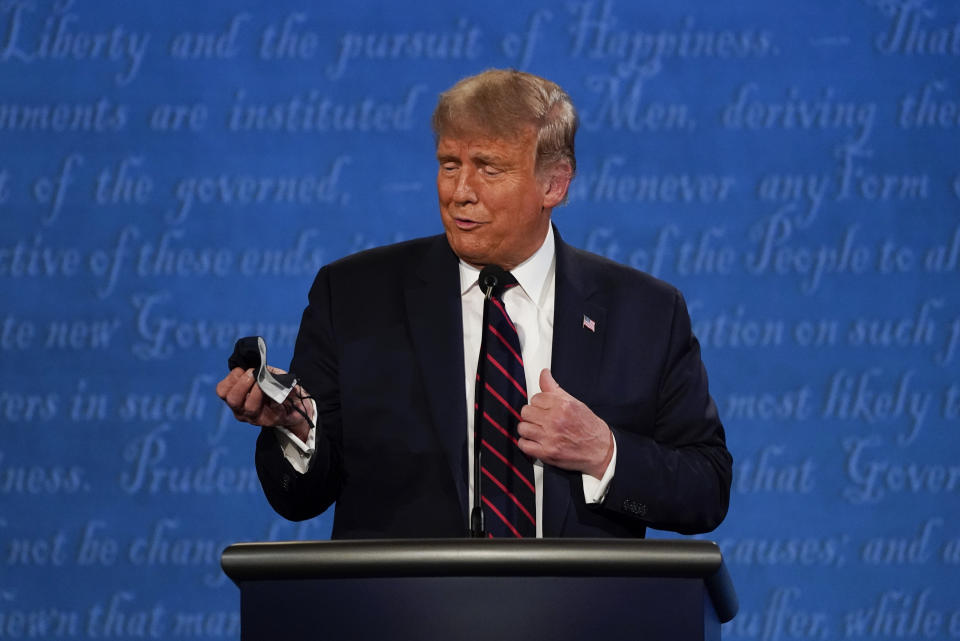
(594, 491)
(294, 450)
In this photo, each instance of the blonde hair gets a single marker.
(505, 102)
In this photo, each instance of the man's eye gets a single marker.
(490, 171)
(448, 167)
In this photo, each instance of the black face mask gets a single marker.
(251, 352)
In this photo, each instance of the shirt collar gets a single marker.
(531, 274)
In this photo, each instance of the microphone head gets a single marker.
(492, 279)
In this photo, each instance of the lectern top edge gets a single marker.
(477, 557)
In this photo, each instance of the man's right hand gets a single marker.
(239, 390)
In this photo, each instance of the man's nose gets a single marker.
(465, 193)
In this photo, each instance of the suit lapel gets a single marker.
(579, 326)
(434, 315)
(575, 364)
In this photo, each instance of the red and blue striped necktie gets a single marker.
(507, 490)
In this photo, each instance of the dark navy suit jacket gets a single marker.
(381, 351)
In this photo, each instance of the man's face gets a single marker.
(495, 209)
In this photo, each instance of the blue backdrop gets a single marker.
(172, 174)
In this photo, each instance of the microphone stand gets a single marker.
(476, 514)
(489, 279)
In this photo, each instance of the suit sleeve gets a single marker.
(293, 495)
(677, 475)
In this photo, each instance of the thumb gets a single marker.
(547, 383)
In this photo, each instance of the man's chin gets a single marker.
(466, 251)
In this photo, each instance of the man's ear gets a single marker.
(556, 182)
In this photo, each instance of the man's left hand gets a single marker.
(561, 431)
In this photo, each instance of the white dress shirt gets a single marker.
(530, 307)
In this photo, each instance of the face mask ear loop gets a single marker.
(302, 398)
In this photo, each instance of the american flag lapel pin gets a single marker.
(589, 323)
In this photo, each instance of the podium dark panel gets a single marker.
(465, 589)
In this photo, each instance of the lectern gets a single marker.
(474, 589)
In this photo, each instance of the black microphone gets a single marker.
(492, 280)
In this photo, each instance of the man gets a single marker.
(618, 416)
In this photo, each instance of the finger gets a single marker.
(531, 448)
(529, 431)
(229, 381)
(253, 405)
(237, 394)
(547, 382)
(275, 370)
(543, 400)
(534, 414)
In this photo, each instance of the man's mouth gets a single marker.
(466, 224)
